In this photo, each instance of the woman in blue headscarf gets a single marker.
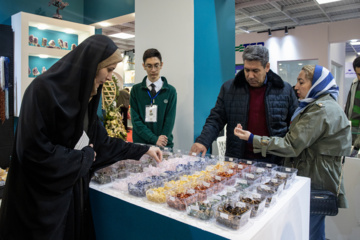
(318, 137)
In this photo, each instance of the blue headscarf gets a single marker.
(323, 82)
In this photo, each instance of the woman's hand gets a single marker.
(242, 134)
(92, 145)
(155, 153)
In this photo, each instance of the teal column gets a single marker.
(214, 55)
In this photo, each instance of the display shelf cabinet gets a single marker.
(21, 22)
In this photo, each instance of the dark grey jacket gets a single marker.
(232, 107)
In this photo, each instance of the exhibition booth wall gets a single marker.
(324, 42)
(197, 47)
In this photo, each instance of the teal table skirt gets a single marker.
(115, 219)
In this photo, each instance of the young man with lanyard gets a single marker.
(153, 104)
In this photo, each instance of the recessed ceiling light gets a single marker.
(122, 35)
(300, 64)
(355, 43)
(43, 56)
(326, 1)
(104, 24)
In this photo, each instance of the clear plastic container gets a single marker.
(267, 166)
(167, 153)
(133, 166)
(243, 165)
(285, 174)
(203, 210)
(204, 189)
(247, 162)
(251, 177)
(231, 159)
(276, 183)
(147, 161)
(211, 159)
(180, 201)
(105, 175)
(156, 195)
(269, 192)
(242, 183)
(139, 189)
(233, 215)
(258, 172)
(255, 200)
(218, 184)
(228, 177)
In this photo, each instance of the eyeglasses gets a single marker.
(156, 66)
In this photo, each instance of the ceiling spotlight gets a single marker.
(269, 31)
(326, 1)
(122, 35)
(104, 24)
(286, 30)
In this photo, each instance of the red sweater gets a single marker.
(257, 118)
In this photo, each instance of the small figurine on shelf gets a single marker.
(61, 43)
(73, 46)
(44, 42)
(31, 39)
(35, 71)
(51, 44)
(60, 6)
(36, 42)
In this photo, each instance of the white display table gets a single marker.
(120, 214)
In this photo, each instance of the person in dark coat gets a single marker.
(59, 143)
(123, 102)
(257, 98)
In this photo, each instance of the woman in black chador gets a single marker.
(47, 190)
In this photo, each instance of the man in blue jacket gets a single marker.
(258, 99)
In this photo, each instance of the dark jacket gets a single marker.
(46, 192)
(232, 107)
(149, 132)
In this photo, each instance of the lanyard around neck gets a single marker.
(152, 98)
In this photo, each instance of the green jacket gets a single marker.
(148, 132)
(316, 140)
(350, 99)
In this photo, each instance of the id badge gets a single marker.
(151, 113)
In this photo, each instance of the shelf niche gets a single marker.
(26, 24)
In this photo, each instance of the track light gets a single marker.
(286, 30)
(269, 31)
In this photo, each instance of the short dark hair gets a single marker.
(152, 52)
(256, 53)
(356, 63)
